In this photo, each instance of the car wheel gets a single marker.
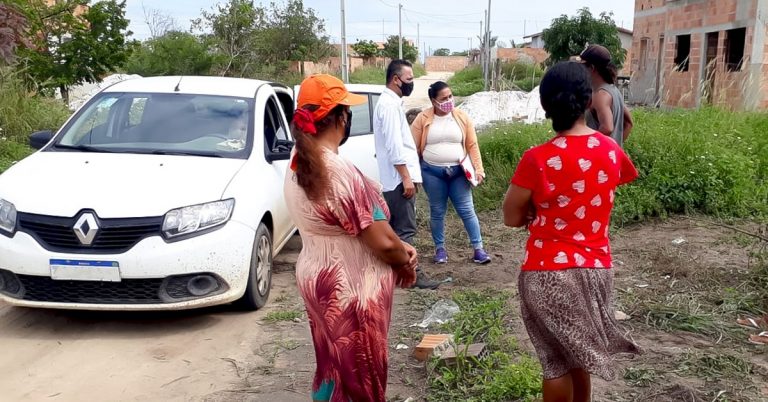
(260, 274)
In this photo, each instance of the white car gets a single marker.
(158, 194)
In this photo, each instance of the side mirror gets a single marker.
(40, 138)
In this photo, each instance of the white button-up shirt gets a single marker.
(394, 141)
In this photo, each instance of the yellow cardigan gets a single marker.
(420, 131)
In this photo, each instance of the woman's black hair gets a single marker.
(435, 89)
(566, 92)
(609, 73)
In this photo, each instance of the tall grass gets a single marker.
(707, 161)
(511, 77)
(467, 81)
(22, 111)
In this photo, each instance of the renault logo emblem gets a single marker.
(86, 228)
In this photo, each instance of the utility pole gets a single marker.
(480, 48)
(383, 31)
(400, 31)
(418, 36)
(488, 46)
(344, 58)
(484, 53)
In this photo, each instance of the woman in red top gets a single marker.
(564, 190)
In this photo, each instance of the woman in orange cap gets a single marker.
(351, 258)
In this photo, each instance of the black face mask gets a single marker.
(406, 88)
(347, 129)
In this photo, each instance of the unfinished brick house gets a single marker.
(689, 53)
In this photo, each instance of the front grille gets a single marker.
(114, 236)
(128, 291)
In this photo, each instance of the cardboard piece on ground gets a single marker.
(432, 345)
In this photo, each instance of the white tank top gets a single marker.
(445, 142)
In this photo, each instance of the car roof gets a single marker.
(367, 88)
(222, 86)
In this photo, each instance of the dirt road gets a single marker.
(419, 97)
(176, 356)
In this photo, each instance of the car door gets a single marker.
(276, 148)
(360, 148)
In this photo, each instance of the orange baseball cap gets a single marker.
(326, 91)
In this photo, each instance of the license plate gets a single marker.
(81, 270)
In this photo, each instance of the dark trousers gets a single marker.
(403, 214)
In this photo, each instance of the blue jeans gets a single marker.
(440, 184)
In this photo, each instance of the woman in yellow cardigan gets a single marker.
(444, 137)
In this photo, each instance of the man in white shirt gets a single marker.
(398, 160)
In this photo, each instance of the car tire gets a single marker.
(260, 273)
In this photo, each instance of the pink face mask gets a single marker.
(446, 106)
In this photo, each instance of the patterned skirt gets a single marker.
(569, 316)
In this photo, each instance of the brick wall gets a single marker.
(446, 63)
(656, 19)
(524, 55)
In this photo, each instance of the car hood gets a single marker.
(114, 185)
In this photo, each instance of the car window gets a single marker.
(158, 123)
(137, 111)
(275, 130)
(361, 118)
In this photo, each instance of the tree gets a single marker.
(70, 49)
(13, 34)
(462, 53)
(442, 52)
(252, 38)
(234, 27)
(295, 33)
(410, 52)
(175, 53)
(158, 22)
(367, 49)
(568, 36)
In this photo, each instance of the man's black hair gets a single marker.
(395, 68)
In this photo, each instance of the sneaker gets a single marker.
(423, 281)
(441, 256)
(481, 257)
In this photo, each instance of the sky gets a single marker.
(452, 24)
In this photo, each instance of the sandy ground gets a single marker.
(419, 97)
(174, 356)
(220, 354)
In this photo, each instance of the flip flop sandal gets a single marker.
(759, 339)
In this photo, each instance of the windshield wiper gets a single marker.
(186, 153)
(84, 148)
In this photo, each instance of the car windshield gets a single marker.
(178, 124)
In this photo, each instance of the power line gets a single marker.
(387, 4)
(442, 15)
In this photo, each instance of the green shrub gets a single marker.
(11, 152)
(23, 112)
(467, 81)
(707, 161)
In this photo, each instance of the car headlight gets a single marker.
(7, 217)
(196, 218)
